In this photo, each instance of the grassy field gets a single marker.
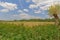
(30, 24)
(29, 31)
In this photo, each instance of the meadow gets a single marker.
(29, 31)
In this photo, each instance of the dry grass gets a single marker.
(28, 23)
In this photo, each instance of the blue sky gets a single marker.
(25, 9)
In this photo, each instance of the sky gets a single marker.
(25, 9)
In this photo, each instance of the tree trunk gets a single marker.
(56, 19)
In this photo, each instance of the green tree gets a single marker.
(54, 10)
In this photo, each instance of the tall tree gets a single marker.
(54, 10)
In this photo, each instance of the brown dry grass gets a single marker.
(28, 23)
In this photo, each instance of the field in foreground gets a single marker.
(10, 31)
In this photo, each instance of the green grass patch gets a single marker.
(13, 32)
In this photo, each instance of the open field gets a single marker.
(29, 23)
(29, 31)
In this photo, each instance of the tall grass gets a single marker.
(21, 32)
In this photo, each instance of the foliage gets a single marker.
(36, 20)
(54, 9)
(14, 32)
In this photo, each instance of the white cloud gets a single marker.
(33, 6)
(26, 10)
(24, 15)
(4, 10)
(9, 6)
(45, 7)
(44, 1)
(28, 0)
(27, 16)
(37, 11)
(38, 3)
(20, 11)
(42, 5)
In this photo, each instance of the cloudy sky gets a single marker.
(24, 9)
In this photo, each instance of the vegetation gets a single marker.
(22, 32)
(54, 10)
(32, 29)
(39, 20)
(31, 20)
